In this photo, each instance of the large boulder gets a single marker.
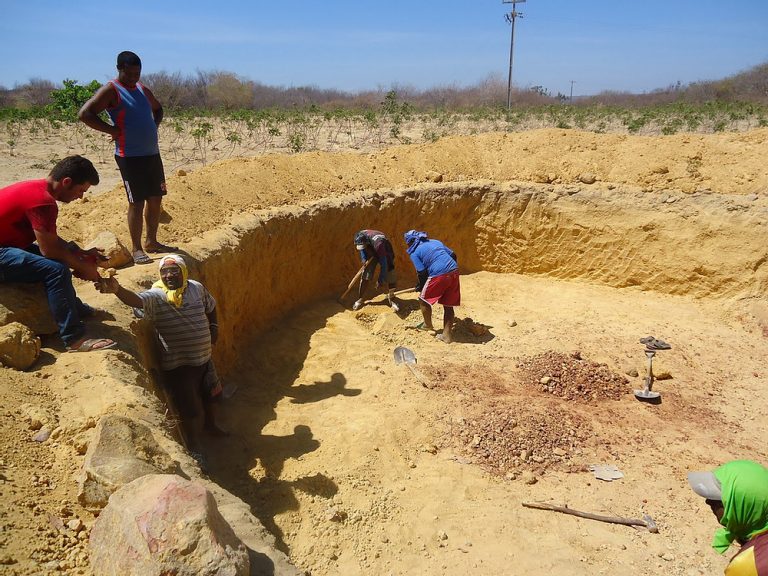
(117, 254)
(19, 347)
(164, 524)
(120, 451)
(28, 305)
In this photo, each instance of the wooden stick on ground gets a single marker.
(646, 522)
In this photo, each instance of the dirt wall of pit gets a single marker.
(265, 265)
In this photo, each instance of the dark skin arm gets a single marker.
(423, 276)
(213, 323)
(105, 97)
(112, 286)
(157, 108)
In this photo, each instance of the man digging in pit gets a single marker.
(184, 316)
(438, 272)
(32, 251)
(375, 249)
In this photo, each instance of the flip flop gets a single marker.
(421, 327)
(92, 344)
(652, 343)
(139, 257)
(162, 249)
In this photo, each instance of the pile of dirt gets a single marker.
(499, 428)
(505, 439)
(506, 434)
(571, 377)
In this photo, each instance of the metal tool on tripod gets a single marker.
(652, 345)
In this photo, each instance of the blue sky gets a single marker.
(600, 45)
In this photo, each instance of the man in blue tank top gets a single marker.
(135, 114)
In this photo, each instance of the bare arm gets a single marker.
(55, 248)
(213, 324)
(112, 286)
(157, 108)
(105, 97)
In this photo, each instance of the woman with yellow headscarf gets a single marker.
(183, 314)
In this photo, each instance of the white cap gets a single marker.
(705, 484)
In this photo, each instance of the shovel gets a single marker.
(646, 393)
(406, 356)
(652, 345)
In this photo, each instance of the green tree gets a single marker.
(66, 101)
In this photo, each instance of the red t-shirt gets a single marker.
(24, 208)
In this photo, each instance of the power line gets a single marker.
(510, 18)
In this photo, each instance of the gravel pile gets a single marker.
(504, 440)
(571, 377)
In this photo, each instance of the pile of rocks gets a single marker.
(571, 377)
(505, 440)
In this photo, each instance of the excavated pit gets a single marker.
(701, 246)
(313, 377)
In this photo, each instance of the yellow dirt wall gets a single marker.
(265, 265)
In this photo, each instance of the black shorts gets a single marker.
(143, 176)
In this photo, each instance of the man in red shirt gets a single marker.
(31, 250)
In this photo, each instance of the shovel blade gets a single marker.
(647, 395)
(404, 355)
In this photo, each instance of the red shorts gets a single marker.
(443, 289)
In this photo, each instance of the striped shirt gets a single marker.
(184, 333)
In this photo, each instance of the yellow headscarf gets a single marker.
(174, 297)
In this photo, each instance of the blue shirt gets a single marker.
(434, 257)
(133, 115)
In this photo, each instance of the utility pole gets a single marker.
(572, 83)
(510, 18)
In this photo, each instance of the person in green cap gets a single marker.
(737, 493)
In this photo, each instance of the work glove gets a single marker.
(358, 304)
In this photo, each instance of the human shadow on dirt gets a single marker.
(305, 393)
(250, 463)
(251, 467)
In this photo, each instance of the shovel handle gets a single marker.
(417, 374)
(646, 522)
(353, 282)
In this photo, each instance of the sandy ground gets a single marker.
(357, 465)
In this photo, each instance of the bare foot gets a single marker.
(443, 337)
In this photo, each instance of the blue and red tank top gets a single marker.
(133, 115)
